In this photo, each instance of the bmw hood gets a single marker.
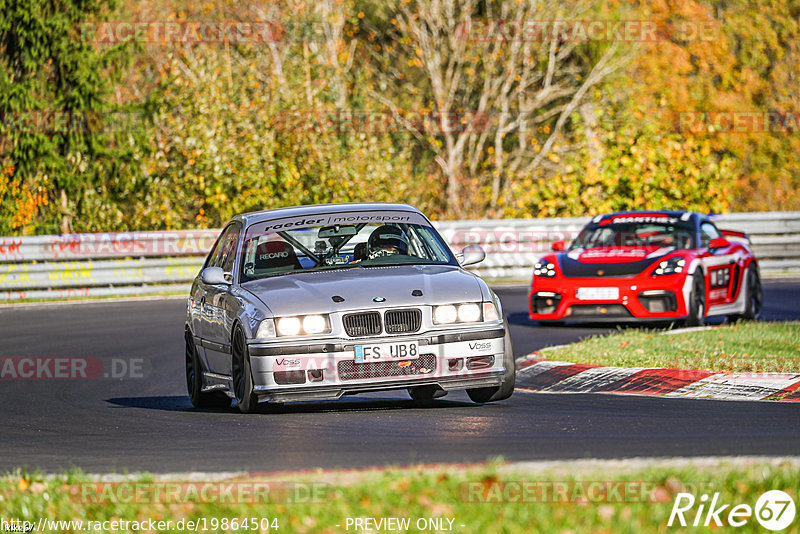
(609, 261)
(365, 288)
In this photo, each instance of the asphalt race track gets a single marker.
(145, 421)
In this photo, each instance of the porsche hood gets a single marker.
(609, 261)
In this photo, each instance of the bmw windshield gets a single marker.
(340, 241)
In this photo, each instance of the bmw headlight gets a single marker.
(470, 312)
(544, 269)
(447, 314)
(289, 326)
(671, 266)
(301, 325)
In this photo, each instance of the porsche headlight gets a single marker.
(303, 325)
(470, 312)
(671, 266)
(545, 269)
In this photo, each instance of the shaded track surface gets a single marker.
(147, 423)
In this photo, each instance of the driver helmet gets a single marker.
(386, 240)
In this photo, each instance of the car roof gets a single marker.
(312, 209)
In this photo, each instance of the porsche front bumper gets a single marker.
(639, 298)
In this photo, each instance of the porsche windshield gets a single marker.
(289, 249)
(635, 234)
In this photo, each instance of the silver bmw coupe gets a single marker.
(316, 302)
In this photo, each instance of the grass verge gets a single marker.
(492, 498)
(744, 347)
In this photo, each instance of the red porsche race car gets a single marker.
(648, 265)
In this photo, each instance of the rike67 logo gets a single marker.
(774, 510)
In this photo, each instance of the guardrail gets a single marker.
(86, 265)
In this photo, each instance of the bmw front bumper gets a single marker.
(323, 369)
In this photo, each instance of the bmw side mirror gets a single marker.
(559, 246)
(214, 276)
(471, 254)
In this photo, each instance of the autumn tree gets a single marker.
(455, 59)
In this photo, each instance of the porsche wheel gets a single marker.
(242, 374)
(194, 380)
(504, 390)
(697, 302)
(755, 297)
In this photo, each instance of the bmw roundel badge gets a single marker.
(379, 299)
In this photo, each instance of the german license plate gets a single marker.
(404, 350)
(597, 293)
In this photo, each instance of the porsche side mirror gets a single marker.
(559, 246)
(214, 276)
(471, 254)
(719, 242)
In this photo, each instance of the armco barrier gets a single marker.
(42, 267)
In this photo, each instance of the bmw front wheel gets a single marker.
(241, 373)
(504, 390)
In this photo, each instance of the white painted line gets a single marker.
(569, 466)
(98, 300)
(582, 465)
(687, 330)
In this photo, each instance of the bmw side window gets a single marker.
(708, 232)
(216, 253)
(227, 253)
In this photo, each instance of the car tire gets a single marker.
(697, 301)
(194, 380)
(755, 297)
(426, 393)
(241, 374)
(504, 390)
